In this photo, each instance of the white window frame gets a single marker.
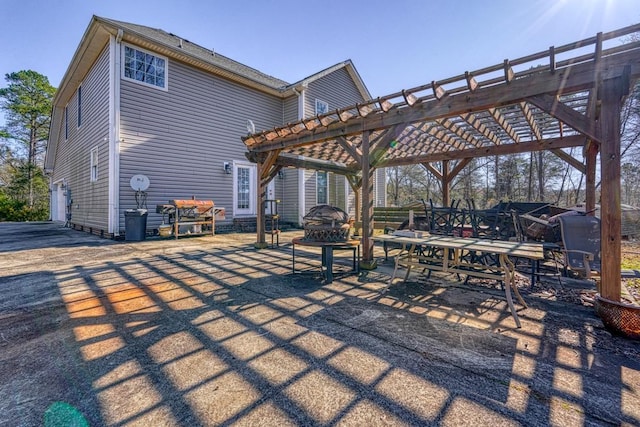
(93, 159)
(322, 107)
(326, 174)
(147, 52)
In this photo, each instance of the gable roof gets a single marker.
(209, 56)
(173, 46)
(97, 36)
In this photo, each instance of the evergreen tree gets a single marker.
(26, 103)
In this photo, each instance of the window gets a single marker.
(144, 67)
(321, 188)
(94, 164)
(80, 106)
(321, 107)
(244, 189)
(66, 122)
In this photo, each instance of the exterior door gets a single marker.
(58, 202)
(244, 189)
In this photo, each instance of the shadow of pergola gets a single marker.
(230, 336)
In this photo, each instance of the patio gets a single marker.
(210, 331)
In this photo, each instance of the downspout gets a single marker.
(114, 134)
(300, 92)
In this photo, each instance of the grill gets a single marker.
(324, 223)
(194, 216)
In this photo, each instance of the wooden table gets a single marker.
(465, 256)
(327, 253)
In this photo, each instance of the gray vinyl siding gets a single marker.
(290, 110)
(337, 89)
(289, 200)
(90, 199)
(181, 137)
(336, 191)
(309, 190)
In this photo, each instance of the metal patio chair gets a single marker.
(581, 241)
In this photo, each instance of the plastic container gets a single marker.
(135, 225)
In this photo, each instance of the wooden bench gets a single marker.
(391, 217)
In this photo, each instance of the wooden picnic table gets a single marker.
(467, 256)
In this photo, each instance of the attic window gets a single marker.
(322, 107)
(144, 67)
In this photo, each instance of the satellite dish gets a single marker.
(251, 128)
(139, 182)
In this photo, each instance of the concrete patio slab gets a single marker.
(211, 331)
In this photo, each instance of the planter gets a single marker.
(619, 318)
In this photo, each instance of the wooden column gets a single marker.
(590, 187)
(367, 205)
(613, 92)
(261, 241)
(446, 197)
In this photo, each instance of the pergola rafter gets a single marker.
(529, 104)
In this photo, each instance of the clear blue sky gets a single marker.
(394, 44)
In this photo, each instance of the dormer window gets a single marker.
(144, 67)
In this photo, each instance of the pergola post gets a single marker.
(261, 242)
(368, 261)
(590, 176)
(613, 92)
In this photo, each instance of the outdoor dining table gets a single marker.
(327, 253)
(465, 255)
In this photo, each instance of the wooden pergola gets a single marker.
(568, 96)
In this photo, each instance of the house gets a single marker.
(140, 101)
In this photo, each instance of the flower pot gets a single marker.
(619, 318)
(165, 230)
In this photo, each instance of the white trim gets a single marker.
(79, 106)
(301, 189)
(156, 55)
(114, 137)
(252, 188)
(347, 188)
(302, 208)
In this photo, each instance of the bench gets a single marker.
(387, 218)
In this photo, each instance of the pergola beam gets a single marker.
(577, 164)
(524, 147)
(317, 165)
(518, 90)
(568, 115)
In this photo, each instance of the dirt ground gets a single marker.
(210, 331)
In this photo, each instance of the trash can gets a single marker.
(135, 224)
